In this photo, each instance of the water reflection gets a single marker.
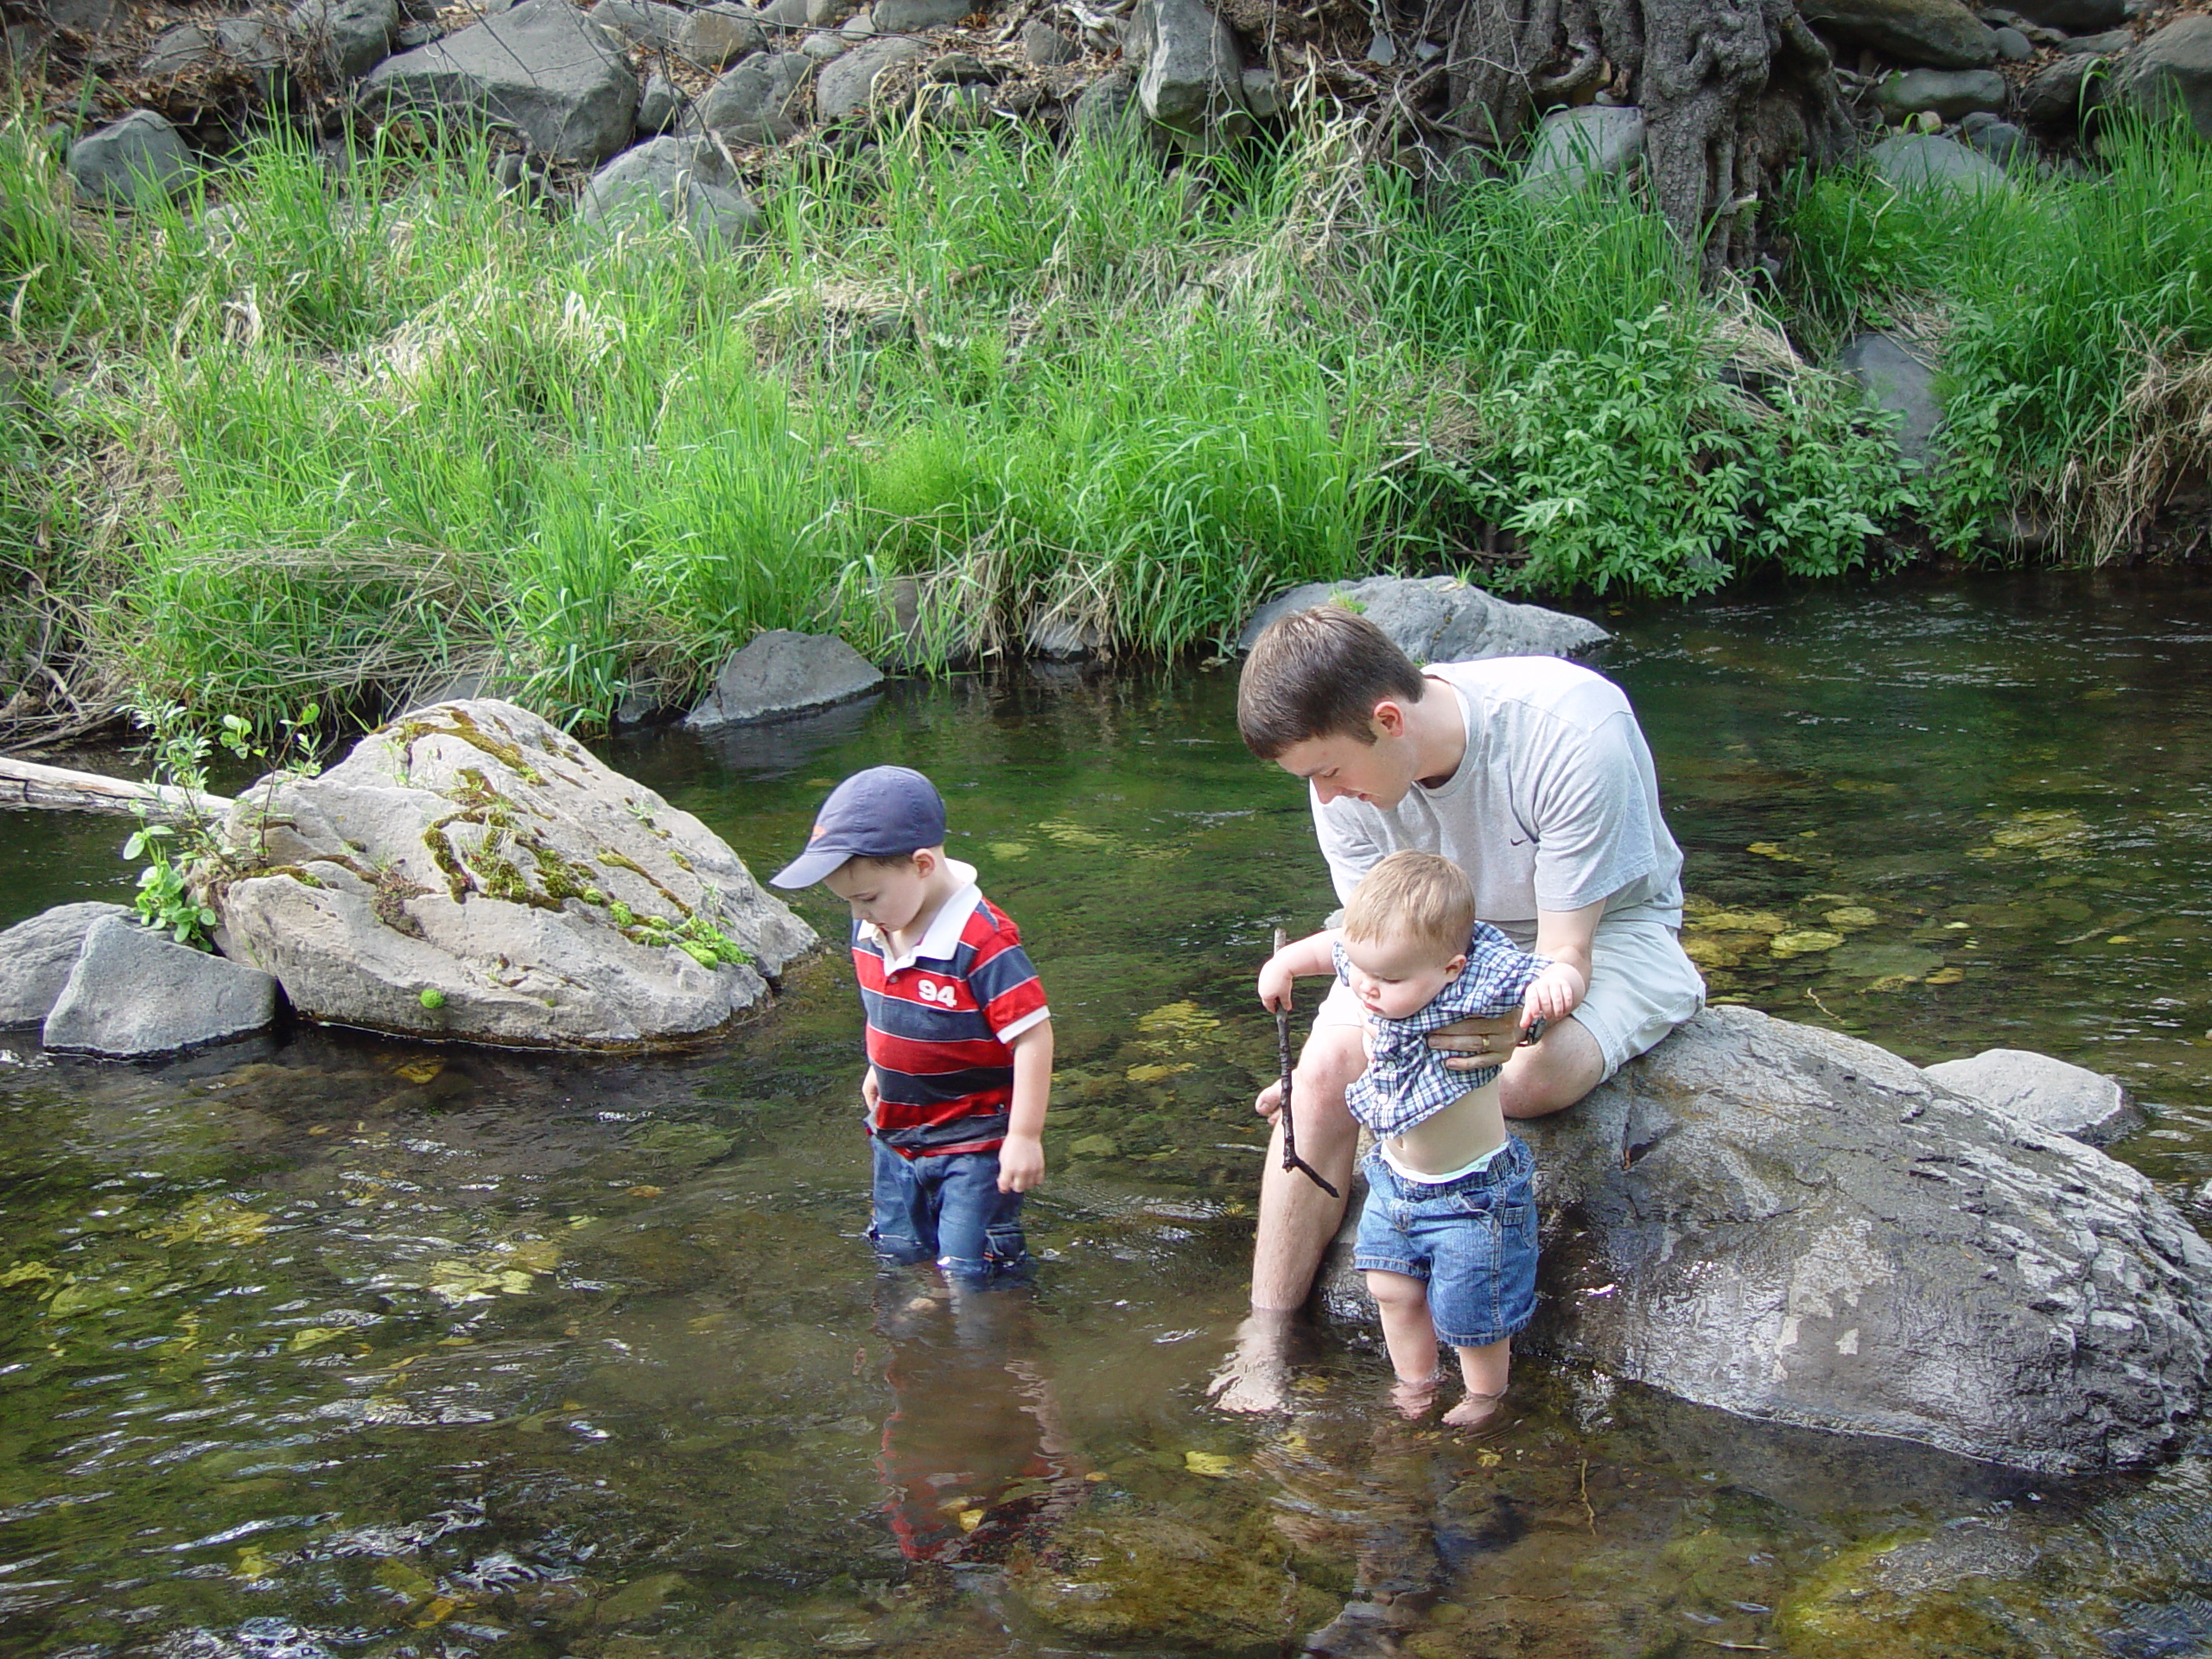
(334, 1345)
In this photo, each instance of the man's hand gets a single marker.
(1476, 1043)
(1556, 993)
(1022, 1163)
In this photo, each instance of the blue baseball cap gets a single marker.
(884, 812)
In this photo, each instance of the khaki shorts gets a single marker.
(1642, 986)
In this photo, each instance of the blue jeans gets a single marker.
(1472, 1241)
(949, 1210)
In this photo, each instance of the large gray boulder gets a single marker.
(2059, 96)
(685, 181)
(2172, 70)
(1796, 1226)
(471, 871)
(850, 84)
(1897, 380)
(1942, 33)
(2051, 1094)
(1575, 147)
(543, 68)
(1439, 620)
(135, 992)
(780, 672)
(1918, 163)
(347, 38)
(36, 957)
(1190, 71)
(762, 101)
(139, 153)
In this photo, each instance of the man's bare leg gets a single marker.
(1549, 1076)
(1297, 1218)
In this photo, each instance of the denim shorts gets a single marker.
(1472, 1241)
(948, 1210)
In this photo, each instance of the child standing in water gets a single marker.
(959, 1037)
(1448, 1236)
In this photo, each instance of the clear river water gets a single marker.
(333, 1345)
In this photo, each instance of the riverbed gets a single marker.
(327, 1345)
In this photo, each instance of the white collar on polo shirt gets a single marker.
(941, 939)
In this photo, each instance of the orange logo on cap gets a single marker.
(815, 834)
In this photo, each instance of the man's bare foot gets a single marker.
(1255, 1376)
(1475, 1408)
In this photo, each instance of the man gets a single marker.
(1532, 775)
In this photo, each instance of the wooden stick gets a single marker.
(26, 783)
(1290, 1158)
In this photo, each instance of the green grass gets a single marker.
(2063, 308)
(344, 438)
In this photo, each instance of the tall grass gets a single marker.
(2074, 317)
(346, 435)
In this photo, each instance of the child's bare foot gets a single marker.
(1475, 1408)
(1413, 1399)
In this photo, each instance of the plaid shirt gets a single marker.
(1405, 1081)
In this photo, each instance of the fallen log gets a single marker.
(26, 783)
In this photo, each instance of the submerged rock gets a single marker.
(1793, 1225)
(471, 871)
(135, 992)
(1440, 619)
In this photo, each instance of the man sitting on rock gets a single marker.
(1532, 775)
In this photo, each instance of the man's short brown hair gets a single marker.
(1318, 673)
(1414, 895)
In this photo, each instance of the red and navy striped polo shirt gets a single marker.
(939, 1021)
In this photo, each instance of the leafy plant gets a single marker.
(696, 937)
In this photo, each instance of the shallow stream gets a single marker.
(333, 1345)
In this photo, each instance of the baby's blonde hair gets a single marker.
(1414, 895)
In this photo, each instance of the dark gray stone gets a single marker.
(642, 22)
(658, 106)
(85, 16)
(1574, 147)
(780, 672)
(36, 955)
(140, 152)
(1796, 1226)
(133, 992)
(825, 45)
(543, 68)
(2003, 143)
(670, 180)
(250, 42)
(828, 14)
(1439, 620)
(716, 36)
(1942, 33)
(1190, 72)
(789, 14)
(2172, 70)
(850, 84)
(1915, 160)
(1102, 109)
(2075, 17)
(1046, 46)
(762, 101)
(1949, 93)
(2051, 1094)
(1896, 380)
(347, 38)
(2110, 43)
(2012, 47)
(2058, 96)
(911, 16)
(955, 68)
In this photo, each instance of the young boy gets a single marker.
(1448, 1237)
(959, 1037)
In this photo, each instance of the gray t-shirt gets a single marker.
(1554, 805)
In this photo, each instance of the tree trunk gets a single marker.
(1734, 93)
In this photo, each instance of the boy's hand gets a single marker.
(1276, 980)
(1270, 1100)
(871, 1096)
(1556, 993)
(1022, 1163)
